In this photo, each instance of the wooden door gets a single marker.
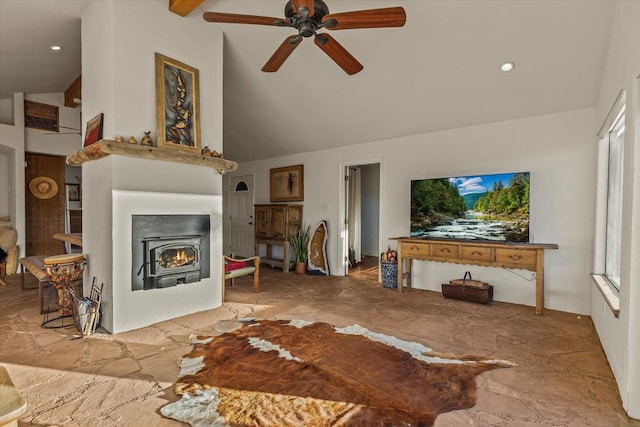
(279, 222)
(262, 219)
(294, 218)
(44, 217)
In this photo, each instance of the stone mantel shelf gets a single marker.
(106, 147)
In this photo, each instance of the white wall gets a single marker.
(619, 336)
(118, 79)
(118, 65)
(6, 111)
(557, 149)
(133, 309)
(12, 143)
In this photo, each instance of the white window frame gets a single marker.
(604, 267)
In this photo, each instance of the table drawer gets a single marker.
(410, 248)
(444, 251)
(516, 256)
(479, 253)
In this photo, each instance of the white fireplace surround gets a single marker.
(131, 310)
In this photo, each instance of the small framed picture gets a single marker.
(73, 192)
(94, 130)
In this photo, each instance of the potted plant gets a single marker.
(300, 243)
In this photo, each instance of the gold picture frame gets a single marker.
(177, 105)
(287, 184)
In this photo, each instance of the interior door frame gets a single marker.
(343, 253)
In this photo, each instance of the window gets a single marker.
(610, 201)
(614, 200)
(242, 186)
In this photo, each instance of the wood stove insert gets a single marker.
(171, 260)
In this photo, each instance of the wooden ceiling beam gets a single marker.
(74, 91)
(184, 7)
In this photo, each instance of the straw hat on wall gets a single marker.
(43, 187)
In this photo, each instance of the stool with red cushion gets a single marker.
(236, 267)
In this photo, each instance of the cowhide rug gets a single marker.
(297, 373)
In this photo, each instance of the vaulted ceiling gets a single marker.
(440, 71)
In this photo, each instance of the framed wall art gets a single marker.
(94, 130)
(41, 116)
(287, 184)
(73, 192)
(177, 105)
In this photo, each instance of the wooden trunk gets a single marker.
(483, 295)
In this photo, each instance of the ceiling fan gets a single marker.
(309, 16)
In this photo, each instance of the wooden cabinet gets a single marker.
(525, 256)
(273, 225)
(262, 216)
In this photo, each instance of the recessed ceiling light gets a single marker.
(507, 66)
(55, 47)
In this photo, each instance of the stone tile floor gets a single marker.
(563, 378)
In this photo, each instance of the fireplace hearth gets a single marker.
(169, 250)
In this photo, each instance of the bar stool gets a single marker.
(64, 273)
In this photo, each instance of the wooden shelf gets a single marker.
(106, 147)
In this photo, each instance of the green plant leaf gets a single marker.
(300, 242)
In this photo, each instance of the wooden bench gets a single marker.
(232, 268)
(35, 266)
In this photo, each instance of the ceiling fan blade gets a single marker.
(372, 18)
(338, 53)
(309, 4)
(281, 54)
(234, 18)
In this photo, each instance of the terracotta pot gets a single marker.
(301, 267)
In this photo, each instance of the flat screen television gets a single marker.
(476, 207)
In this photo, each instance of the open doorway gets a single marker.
(362, 220)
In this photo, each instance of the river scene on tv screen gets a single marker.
(476, 207)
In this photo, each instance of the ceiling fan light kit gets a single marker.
(309, 16)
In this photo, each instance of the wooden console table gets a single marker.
(274, 225)
(524, 256)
